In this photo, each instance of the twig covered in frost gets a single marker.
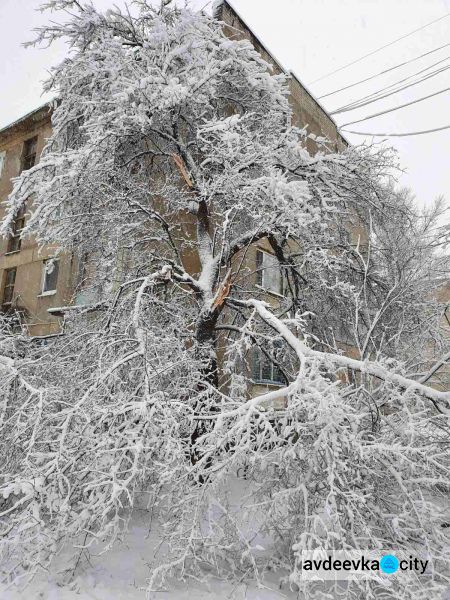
(172, 161)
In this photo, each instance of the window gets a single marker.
(8, 288)
(29, 153)
(268, 272)
(50, 276)
(264, 370)
(2, 161)
(14, 242)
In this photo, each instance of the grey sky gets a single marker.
(310, 37)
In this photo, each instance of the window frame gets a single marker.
(258, 357)
(261, 271)
(8, 286)
(53, 291)
(28, 160)
(18, 224)
(2, 161)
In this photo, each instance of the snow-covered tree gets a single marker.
(172, 155)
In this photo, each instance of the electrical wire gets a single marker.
(383, 112)
(395, 83)
(376, 96)
(353, 62)
(400, 89)
(407, 62)
(397, 134)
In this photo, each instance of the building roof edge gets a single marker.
(280, 65)
(25, 117)
(218, 5)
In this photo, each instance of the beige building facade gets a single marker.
(31, 284)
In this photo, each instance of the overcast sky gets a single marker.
(311, 38)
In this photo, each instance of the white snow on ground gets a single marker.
(122, 574)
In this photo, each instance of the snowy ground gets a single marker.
(122, 573)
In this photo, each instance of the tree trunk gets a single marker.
(207, 354)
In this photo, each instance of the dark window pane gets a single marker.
(259, 266)
(256, 365)
(277, 375)
(8, 290)
(28, 162)
(266, 370)
(2, 161)
(14, 243)
(18, 224)
(263, 369)
(8, 295)
(10, 276)
(29, 153)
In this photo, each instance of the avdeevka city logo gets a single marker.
(326, 565)
(389, 563)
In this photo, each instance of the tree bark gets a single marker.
(206, 350)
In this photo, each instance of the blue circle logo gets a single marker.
(389, 563)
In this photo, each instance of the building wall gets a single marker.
(28, 261)
(307, 112)
(441, 379)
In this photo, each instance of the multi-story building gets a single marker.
(32, 284)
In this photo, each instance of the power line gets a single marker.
(381, 72)
(379, 49)
(383, 112)
(397, 83)
(376, 96)
(397, 134)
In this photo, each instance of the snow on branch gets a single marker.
(441, 399)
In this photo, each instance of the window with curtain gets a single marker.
(268, 272)
(50, 276)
